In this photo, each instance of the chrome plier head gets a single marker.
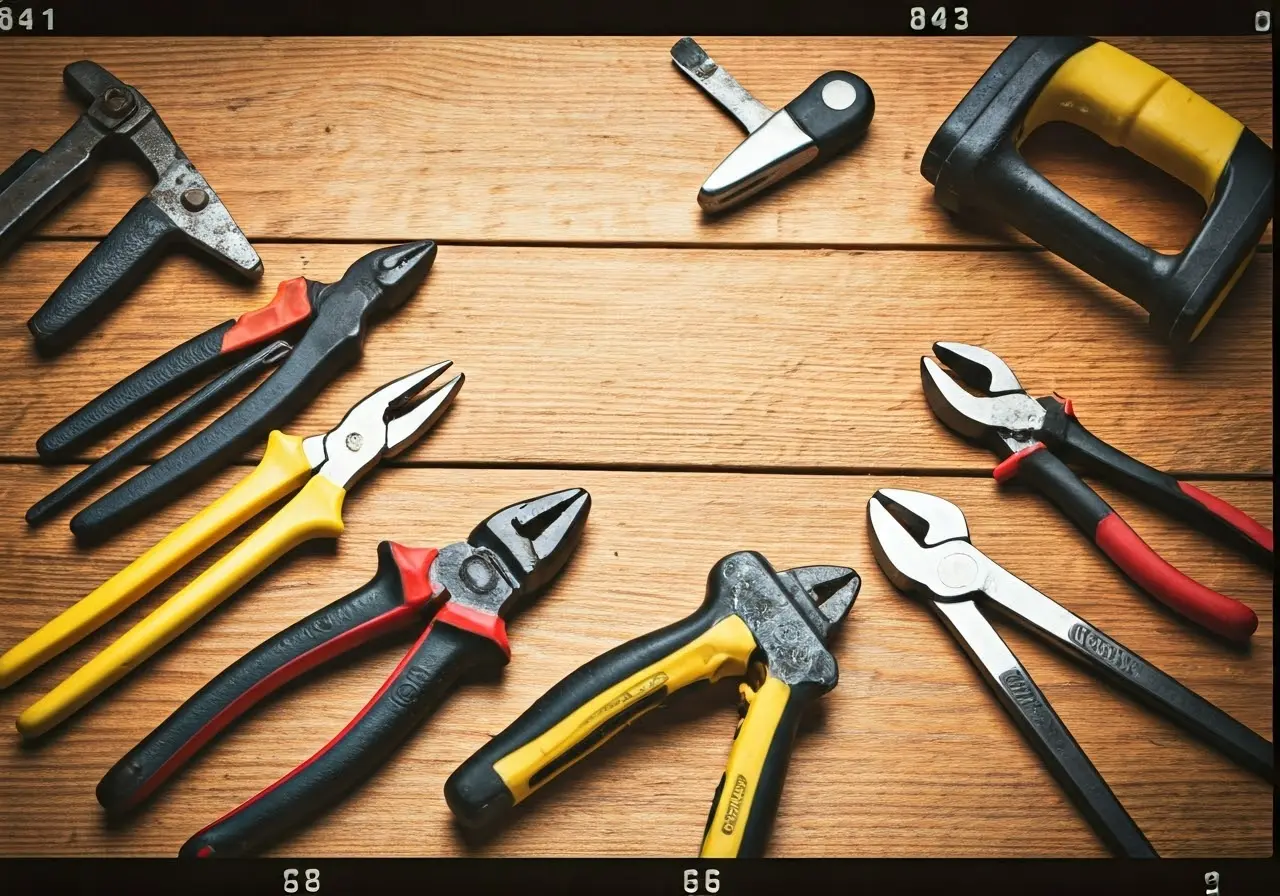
(382, 424)
(1003, 409)
(922, 544)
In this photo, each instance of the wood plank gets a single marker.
(760, 359)
(926, 762)
(575, 139)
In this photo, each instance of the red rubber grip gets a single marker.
(1232, 516)
(1217, 612)
(290, 306)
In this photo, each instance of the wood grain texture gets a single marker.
(700, 358)
(575, 140)
(909, 757)
(745, 382)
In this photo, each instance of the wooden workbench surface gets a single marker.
(741, 383)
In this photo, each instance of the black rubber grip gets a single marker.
(330, 345)
(764, 803)
(306, 645)
(426, 676)
(822, 113)
(141, 390)
(209, 396)
(1153, 486)
(1068, 763)
(477, 794)
(104, 277)
(1048, 474)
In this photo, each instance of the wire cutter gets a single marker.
(770, 627)
(181, 209)
(321, 468)
(922, 543)
(322, 327)
(457, 597)
(1029, 435)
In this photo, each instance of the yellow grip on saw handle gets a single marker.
(282, 469)
(316, 511)
(1133, 105)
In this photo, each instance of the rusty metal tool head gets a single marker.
(831, 115)
(181, 209)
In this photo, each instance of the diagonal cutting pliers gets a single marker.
(321, 468)
(323, 327)
(457, 598)
(1035, 438)
(769, 627)
(922, 543)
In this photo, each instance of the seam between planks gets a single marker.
(734, 469)
(623, 244)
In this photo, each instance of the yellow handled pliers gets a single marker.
(382, 424)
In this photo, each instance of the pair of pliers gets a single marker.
(1034, 439)
(769, 627)
(922, 543)
(321, 468)
(458, 597)
(316, 329)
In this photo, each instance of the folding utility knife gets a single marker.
(830, 115)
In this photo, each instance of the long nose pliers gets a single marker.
(1034, 439)
(321, 468)
(457, 597)
(922, 543)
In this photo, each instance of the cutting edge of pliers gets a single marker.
(382, 424)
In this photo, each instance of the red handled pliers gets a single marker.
(1034, 438)
(456, 599)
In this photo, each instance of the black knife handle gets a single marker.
(415, 689)
(835, 110)
(104, 277)
(381, 606)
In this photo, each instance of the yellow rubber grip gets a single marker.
(722, 650)
(314, 512)
(282, 469)
(1133, 105)
(744, 771)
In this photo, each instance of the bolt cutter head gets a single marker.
(921, 542)
(790, 613)
(531, 542)
(977, 416)
(382, 424)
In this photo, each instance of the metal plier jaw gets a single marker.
(1005, 418)
(382, 424)
(921, 542)
(516, 552)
